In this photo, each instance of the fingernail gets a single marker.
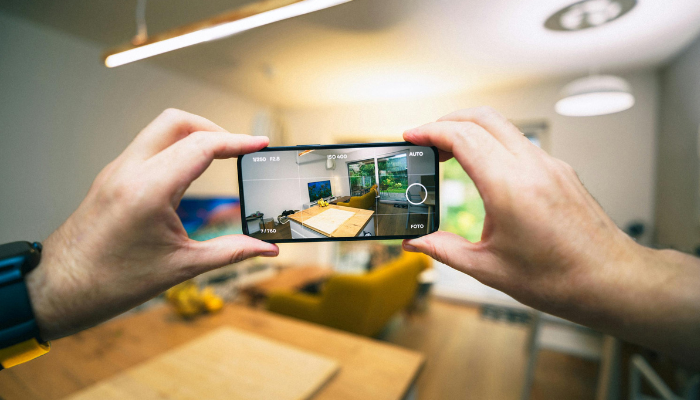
(270, 254)
(409, 247)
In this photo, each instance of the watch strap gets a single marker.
(17, 322)
(19, 333)
(22, 352)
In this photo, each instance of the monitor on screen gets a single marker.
(319, 190)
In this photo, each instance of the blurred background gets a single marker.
(612, 87)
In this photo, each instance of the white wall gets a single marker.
(312, 168)
(678, 197)
(613, 154)
(64, 116)
(272, 186)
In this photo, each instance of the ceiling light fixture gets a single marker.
(230, 23)
(595, 95)
(588, 14)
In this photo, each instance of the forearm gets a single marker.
(651, 297)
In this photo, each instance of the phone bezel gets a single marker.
(436, 210)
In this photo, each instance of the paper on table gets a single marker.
(329, 220)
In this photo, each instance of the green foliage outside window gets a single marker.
(464, 212)
(393, 176)
(361, 174)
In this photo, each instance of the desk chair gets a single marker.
(641, 371)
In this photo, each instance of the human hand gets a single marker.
(125, 244)
(546, 241)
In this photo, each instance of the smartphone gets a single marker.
(313, 193)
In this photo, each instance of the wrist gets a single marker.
(602, 289)
(48, 289)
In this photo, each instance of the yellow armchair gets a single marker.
(361, 304)
(365, 202)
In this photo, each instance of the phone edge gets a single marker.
(241, 198)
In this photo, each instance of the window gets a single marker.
(362, 177)
(393, 177)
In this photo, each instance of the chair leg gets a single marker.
(533, 350)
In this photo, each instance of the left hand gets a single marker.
(125, 244)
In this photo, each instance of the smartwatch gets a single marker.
(19, 332)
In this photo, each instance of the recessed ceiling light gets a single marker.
(588, 14)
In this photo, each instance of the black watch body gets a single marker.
(17, 323)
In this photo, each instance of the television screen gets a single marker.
(319, 190)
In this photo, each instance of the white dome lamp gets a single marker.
(595, 95)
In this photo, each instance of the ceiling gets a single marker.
(374, 50)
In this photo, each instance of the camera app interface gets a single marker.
(339, 193)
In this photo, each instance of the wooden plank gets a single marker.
(223, 364)
(350, 228)
(369, 369)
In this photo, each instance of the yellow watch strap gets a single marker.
(23, 352)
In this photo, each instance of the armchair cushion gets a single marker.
(365, 202)
(298, 305)
(360, 304)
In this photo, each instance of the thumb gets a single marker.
(450, 249)
(225, 250)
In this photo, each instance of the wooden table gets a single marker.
(350, 228)
(369, 369)
(291, 278)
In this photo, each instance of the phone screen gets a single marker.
(339, 192)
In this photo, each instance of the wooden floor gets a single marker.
(283, 231)
(469, 357)
(391, 221)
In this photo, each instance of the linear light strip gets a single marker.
(218, 31)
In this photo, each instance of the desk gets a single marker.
(363, 220)
(369, 369)
(343, 199)
(289, 279)
(253, 226)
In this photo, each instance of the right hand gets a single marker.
(546, 241)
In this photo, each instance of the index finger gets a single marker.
(186, 160)
(167, 128)
(479, 153)
(493, 122)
